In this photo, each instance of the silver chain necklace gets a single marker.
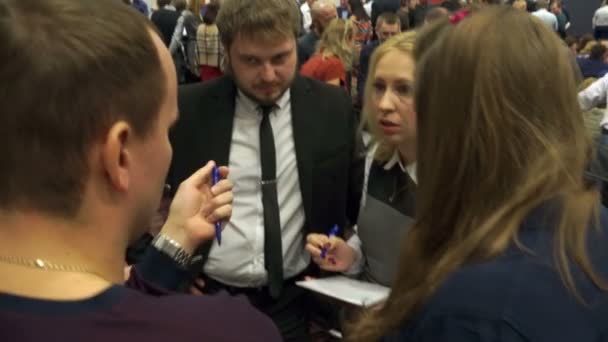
(43, 265)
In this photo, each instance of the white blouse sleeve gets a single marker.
(594, 95)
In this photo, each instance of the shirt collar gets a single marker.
(409, 169)
(254, 107)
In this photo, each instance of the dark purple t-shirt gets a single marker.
(125, 314)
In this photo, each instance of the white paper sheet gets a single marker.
(347, 290)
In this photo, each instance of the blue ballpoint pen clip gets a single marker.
(218, 225)
(332, 232)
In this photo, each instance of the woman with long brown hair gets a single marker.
(510, 242)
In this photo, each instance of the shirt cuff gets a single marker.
(357, 267)
(161, 270)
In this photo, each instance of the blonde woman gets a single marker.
(334, 54)
(586, 50)
(510, 241)
(388, 206)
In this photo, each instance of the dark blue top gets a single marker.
(383, 6)
(343, 12)
(143, 310)
(592, 68)
(517, 297)
(366, 55)
(307, 45)
(141, 6)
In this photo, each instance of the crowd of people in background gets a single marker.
(410, 144)
(189, 30)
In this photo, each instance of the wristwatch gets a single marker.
(173, 249)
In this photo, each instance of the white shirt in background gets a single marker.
(547, 18)
(595, 94)
(600, 18)
(368, 8)
(306, 17)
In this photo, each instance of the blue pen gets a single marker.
(332, 232)
(218, 225)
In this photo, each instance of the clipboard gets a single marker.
(355, 292)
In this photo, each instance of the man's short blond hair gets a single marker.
(266, 19)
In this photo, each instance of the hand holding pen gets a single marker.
(330, 252)
(197, 206)
(332, 233)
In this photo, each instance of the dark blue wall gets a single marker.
(581, 13)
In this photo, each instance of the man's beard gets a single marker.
(249, 94)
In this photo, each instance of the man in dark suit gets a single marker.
(388, 25)
(384, 6)
(293, 153)
(165, 19)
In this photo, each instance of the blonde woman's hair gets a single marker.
(586, 50)
(405, 43)
(335, 41)
(497, 139)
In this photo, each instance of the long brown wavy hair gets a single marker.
(498, 135)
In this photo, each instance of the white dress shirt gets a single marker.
(600, 18)
(306, 16)
(368, 8)
(239, 261)
(548, 18)
(595, 94)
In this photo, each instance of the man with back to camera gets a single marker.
(294, 155)
(165, 19)
(83, 168)
(542, 13)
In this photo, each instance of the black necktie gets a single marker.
(273, 250)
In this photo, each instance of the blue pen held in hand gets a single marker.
(218, 225)
(332, 232)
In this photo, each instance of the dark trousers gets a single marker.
(289, 312)
(600, 168)
(601, 32)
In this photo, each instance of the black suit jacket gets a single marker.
(165, 20)
(328, 146)
(383, 6)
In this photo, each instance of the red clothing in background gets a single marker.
(324, 69)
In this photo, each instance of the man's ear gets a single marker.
(116, 155)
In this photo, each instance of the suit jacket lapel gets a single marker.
(303, 127)
(220, 122)
(217, 118)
